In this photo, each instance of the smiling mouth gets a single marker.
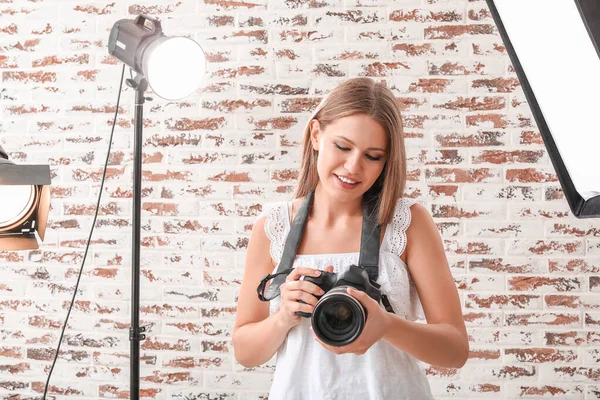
(346, 180)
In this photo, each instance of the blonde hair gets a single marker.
(361, 96)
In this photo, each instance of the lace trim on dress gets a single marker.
(274, 228)
(400, 224)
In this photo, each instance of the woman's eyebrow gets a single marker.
(351, 142)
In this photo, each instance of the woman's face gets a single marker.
(352, 154)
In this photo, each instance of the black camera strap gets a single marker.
(369, 246)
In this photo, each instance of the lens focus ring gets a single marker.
(338, 318)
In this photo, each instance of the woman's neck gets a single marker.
(330, 211)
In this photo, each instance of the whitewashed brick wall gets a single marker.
(527, 271)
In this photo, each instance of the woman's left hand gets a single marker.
(374, 329)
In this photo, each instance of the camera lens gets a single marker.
(338, 318)
(337, 315)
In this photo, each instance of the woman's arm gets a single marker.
(256, 334)
(441, 345)
(443, 341)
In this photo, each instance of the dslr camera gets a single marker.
(338, 319)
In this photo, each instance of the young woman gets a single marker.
(353, 142)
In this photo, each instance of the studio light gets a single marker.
(24, 204)
(173, 66)
(554, 48)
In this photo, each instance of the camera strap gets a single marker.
(369, 246)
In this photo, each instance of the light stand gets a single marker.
(136, 333)
(173, 67)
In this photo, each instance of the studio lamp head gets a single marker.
(173, 66)
(24, 203)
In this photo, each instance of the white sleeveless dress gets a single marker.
(305, 370)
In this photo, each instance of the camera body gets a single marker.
(355, 277)
(338, 318)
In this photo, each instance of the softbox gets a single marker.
(553, 46)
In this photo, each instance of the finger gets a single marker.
(298, 295)
(305, 286)
(328, 268)
(299, 271)
(359, 295)
(307, 298)
(296, 306)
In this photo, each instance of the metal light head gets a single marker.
(173, 66)
(24, 204)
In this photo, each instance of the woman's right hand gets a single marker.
(294, 289)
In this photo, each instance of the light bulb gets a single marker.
(175, 67)
(17, 202)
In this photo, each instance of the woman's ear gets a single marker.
(315, 133)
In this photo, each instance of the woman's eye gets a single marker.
(341, 148)
(347, 149)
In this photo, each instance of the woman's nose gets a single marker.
(353, 164)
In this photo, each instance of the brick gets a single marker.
(564, 320)
(584, 301)
(469, 103)
(503, 229)
(508, 157)
(456, 31)
(483, 138)
(489, 192)
(438, 48)
(574, 373)
(572, 229)
(495, 85)
(536, 284)
(473, 247)
(539, 210)
(241, 380)
(369, 34)
(348, 17)
(479, 14)
(407, 84)
(566, 391)
(464, 68)
(571, 338)
(574, 265)
(462, 175)
(545, 247)
(496, 371)
(503, 302)
(479, 283)
(553, 193)
(11, 61)
(530, 175)
(443, 192)
(203, 329)
(426, 15)
(487, 336)
(467, 211)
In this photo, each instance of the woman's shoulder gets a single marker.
(420, 220)
(406, 208)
